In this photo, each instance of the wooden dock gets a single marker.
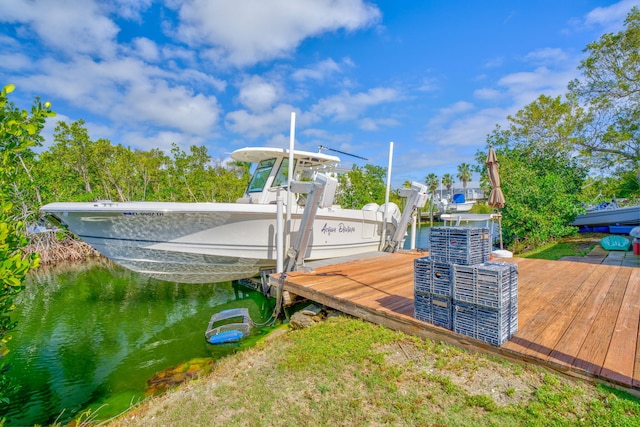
(580, 319)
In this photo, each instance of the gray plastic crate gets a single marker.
(433, 309)
(432, 277)
(490, 284)
(491, 326)
(460, 245)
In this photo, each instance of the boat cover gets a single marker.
(615, 243)
(458, 198)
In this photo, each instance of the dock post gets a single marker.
(279, 234)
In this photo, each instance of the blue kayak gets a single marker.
(225, 337)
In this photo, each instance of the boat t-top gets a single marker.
(215, 242)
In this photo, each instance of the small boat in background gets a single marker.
(228, 326)
(458, 203)
(609, 213)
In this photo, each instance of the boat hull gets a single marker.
(209, 242)
(629, 215)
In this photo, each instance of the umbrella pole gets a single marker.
(500, 226)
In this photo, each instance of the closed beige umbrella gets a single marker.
(496, 198)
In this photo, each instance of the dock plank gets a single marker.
(567, 348)
(538, 306)
(594, 349)
(620, 359)
(551, 320)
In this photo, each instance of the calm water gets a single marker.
(422, 237)
(90, 335)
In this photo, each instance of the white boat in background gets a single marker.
(609, 213)
(214, 242)
(458, 203)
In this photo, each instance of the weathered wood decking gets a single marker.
(582, 319)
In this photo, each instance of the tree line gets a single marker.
(76, 168)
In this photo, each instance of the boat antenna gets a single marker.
(322, 147)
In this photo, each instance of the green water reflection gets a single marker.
(90, 336)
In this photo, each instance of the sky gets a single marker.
(433, 77)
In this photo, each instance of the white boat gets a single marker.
(458, 203)
(214, 242)
(609, 214)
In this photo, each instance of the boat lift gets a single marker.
(321, 192)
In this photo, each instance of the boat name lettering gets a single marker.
(341, 228)
(143, 213)
(346, 228)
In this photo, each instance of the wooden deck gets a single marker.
(581, 319)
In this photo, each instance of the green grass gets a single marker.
(578, 245)
(349, 372)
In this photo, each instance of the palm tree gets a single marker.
(432, 183)
(464, 175)
(447, 181)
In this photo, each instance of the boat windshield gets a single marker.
(263, 172)
(282, 178)
(261, 175)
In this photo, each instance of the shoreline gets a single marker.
(59, 246)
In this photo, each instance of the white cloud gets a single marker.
(371, 124)
(128, 92)
(487, 94)
(346, 106)
(257, 94)
(71, 26)
(610, 18)
(320, 70)
(524, 87)
(245, 32)
(264, 124)
(547, 56)
(428, 84)
(187, 56)
(449, 113)
(146, 49)
(168, 107)
(495, 62)
(466, 127)
(130, 9)
(14, 62)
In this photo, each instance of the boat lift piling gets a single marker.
(416, 198)
(320, 194)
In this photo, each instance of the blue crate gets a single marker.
(432, 277)
(490, 284)
(433, 309)
(491, 326)
(460, 245)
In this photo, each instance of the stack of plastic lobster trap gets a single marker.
(458, 288)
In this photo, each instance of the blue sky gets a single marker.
(434, 77)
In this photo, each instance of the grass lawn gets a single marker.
(352, 373)
(578, 245)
